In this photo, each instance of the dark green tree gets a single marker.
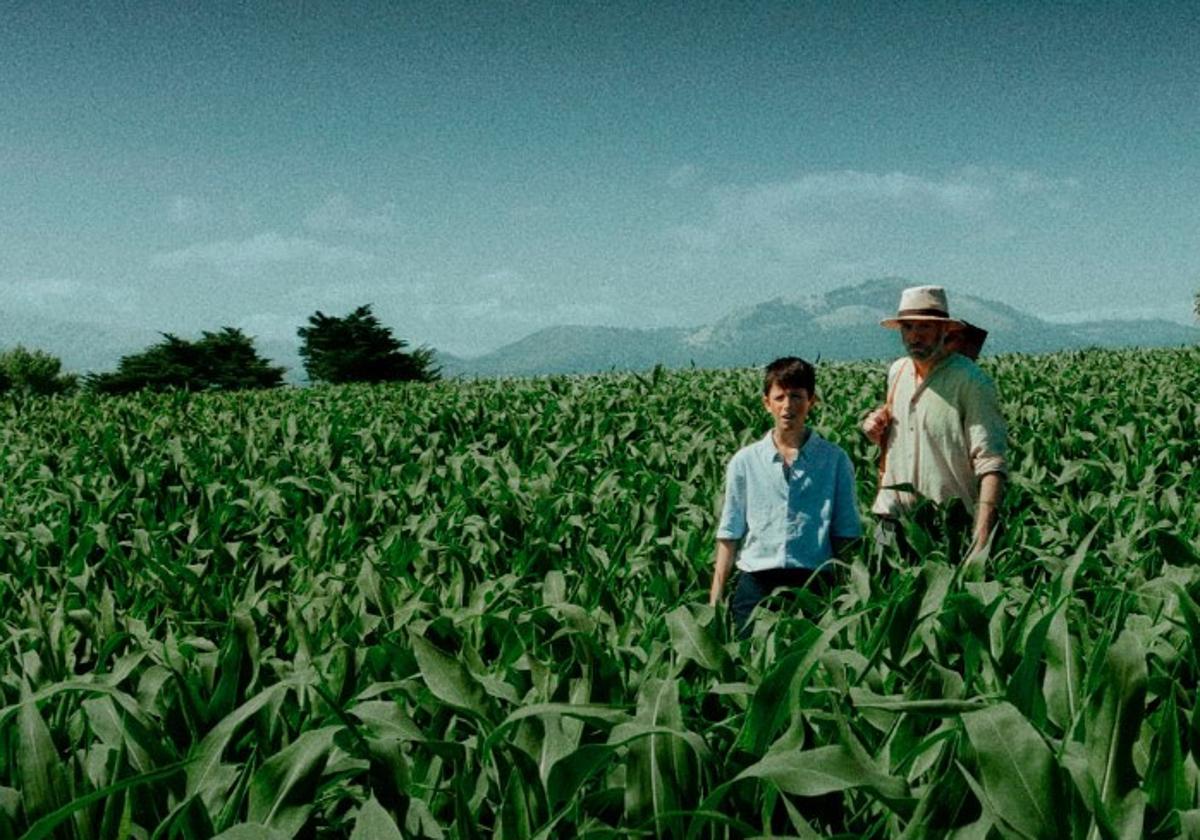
(357, 348)
(220, 361)
(34, 372)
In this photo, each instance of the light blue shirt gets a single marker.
(785, 517)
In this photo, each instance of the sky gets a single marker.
(478, 171)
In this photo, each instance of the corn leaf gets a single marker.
(1017, 769)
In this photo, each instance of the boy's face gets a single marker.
(789, 406)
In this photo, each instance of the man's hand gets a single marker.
(987, 510)
(876, 424)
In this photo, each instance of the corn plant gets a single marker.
(476, 609)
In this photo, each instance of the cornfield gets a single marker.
(479, 609)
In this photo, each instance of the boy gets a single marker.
(789, 500)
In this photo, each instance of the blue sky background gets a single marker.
(481, 170)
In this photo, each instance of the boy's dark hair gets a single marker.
(790, 372)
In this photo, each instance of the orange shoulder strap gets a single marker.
(892, 390)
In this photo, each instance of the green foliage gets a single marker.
(220, 361)
(357, 348)
(478, 609)
(33, 372)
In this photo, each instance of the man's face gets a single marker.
(789, 406)
(923, 340)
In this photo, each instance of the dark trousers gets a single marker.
(752, 587)
(953, 535)
(890, 537)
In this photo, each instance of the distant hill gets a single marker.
(842, 324)
(82, 347)
(839, 325)
(575, 350)
(94, 348)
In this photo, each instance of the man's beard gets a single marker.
(925, 352)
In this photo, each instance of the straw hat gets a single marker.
(921, 303)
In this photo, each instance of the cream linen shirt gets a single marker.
(945, 434)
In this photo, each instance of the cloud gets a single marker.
(40, 292)
(68, 298)
(502, 278)
(532, 213)
(511, 314)
(1019, 182)
(262, 249)
(502, 286)
(337, 214)
(683, 176)
(1177, 311)
(838, 221)
(270, 326)
(970, 190)
(484, 312)
(185, 210)
(857, 190)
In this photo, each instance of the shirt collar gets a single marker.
(767, 444)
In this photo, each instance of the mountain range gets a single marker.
(842, 324)
(93, 348)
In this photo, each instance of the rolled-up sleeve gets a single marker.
(733, 510)
(986, 430)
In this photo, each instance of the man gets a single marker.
(789, 500)
(941, 427)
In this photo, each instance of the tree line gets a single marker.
(352, 348)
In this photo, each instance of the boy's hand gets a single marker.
(876, 424)
(726, 551)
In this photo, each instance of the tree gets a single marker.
(1196, 306)
(220, 361)
(34, 372)
(357, 348)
